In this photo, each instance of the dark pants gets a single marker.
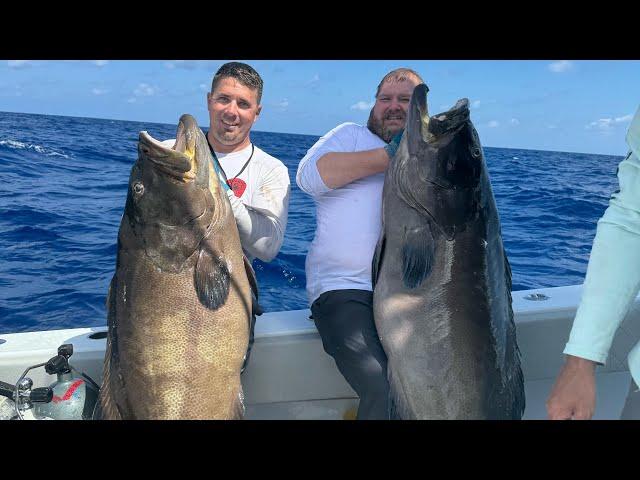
(344, 319)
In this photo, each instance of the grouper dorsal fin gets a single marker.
(212, 279)
(417, 255)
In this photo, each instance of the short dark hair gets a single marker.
(243, 73)
(398, 75)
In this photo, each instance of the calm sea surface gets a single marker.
(63, 185)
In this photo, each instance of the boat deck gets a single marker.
(291, 377)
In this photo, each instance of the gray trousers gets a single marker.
(344, 319)
(631, 409)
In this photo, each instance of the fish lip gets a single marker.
(449, 120)
(424, 129)
(417, 119)
(429, 128)
(170, 161)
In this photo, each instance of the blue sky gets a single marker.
(561, 105)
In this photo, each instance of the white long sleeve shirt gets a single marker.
(612, 281)
(348, 219)
(262, 207)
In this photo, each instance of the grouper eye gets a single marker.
(138, 188)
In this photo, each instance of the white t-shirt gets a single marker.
(262, 208)
(349, 218)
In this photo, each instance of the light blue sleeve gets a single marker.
(612, 281)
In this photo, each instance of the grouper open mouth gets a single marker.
(429, 129)
(178, 161)
(171, 172)
(450, 120)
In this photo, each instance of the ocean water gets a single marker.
(63, 185)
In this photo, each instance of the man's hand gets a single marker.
(574, 394)
(392, 147)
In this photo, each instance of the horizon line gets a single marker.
(300, 134)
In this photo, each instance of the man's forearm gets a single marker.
(341, 168)
(261, 231)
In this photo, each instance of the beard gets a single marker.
(377, 127)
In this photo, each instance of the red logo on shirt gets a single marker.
(238, 186)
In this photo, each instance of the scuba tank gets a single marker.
(16, 401)
(74, 395)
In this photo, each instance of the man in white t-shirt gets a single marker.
(257, 184)
(344, 173)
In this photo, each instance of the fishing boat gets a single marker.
(291, 377)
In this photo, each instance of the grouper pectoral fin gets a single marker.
(417, 255)
(212, 279)
(377, 259)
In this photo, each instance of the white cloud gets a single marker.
(362, 105)
(100, 63)
(131, 100)
(185, 64)
(626, 118)
(552, 127)
(608, 123)
(99, 91)
(313, 82)
(514, 121)
(204, 87)
(19, 63)
(493, 124)
(475, 104)
(560, 66)
(145, 90)
(283, 104)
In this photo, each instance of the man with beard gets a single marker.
(344, 173)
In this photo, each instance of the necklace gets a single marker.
(243, 167)
(236, 184)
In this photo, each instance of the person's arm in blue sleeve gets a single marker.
(611, 285)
